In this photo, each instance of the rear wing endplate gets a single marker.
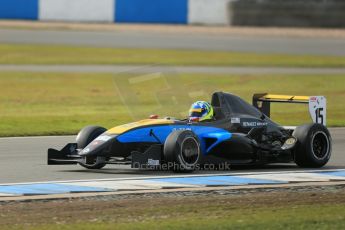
(317, 104)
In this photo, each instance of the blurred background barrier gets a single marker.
(77, 10)
(151, 11)
(304, 13)
(19, 9)
(209, 12)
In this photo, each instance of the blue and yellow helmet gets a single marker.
(200, 111)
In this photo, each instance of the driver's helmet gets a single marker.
(200, 111)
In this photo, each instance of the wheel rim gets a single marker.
(320, 145)
(190, 151)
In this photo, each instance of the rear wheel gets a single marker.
(314, 145)
(85, 137)
(182, 151)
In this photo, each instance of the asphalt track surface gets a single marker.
(149, 39)
(23, 159)
(168, 69)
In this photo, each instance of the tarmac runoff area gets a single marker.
(116, 69)
(257, 40)
(25, 174)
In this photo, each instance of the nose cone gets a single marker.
(98, 145)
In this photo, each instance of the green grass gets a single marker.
(60, 103)
(49, 54)
(303, 217)
(293, 208)
(189, 217)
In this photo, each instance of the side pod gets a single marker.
(152, 157)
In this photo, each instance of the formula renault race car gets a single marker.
(239, 134)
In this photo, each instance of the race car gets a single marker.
(238, 134)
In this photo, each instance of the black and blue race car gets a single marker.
(239, 134)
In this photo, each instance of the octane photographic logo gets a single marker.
(149, 90)
(177, 167)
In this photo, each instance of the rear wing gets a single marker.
(317, 104)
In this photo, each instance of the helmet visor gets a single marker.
(195, 114)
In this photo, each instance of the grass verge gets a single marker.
(61, 103)
(254, 210)
(53, 54)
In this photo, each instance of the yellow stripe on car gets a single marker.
(284, 97)
(124, 128)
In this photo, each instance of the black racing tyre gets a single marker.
(88, 134)
(182, 151)
(314, 145)
(85, 137)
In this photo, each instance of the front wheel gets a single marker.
(314, 145)
(182, 151)
(85, 137)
